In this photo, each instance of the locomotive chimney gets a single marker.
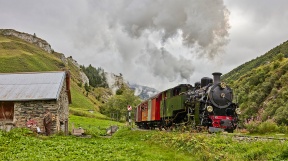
(216, 77)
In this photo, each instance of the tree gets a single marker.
(87, 87)
(281, 115)
(119, 103)
(96, 77)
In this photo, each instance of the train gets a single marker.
(206, 105)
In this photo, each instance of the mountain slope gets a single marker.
(143, 92)
(261, 86)
(18, 54)
(254, 63)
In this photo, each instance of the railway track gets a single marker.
(238, 137)
(257, 138)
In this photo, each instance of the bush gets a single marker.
(268, 126)
(283, 129)
(252, 127)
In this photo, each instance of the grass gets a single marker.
(81, 104)
(79, 100)
(86, 113)
(19, 56)
(92, 126)
(22, 145)
(126, 144)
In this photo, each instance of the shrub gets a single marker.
(283, 129)
(268, 126)
(252, 127)
(79, 84)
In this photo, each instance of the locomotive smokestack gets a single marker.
(216, 77)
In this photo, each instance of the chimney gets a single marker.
(216, 77)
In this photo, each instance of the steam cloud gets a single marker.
(204, 22)
(142, 33)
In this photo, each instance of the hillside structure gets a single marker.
(24, 98)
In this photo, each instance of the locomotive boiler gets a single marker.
(208, 103)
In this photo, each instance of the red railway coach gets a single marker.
(138, 114)
(144, 109)
(148, 112)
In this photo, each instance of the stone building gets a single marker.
(24, 97)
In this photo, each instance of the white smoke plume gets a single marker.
(140, 34)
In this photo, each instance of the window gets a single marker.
(176, 91)
(6, 110)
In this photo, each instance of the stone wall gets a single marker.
(29, 38)
(63, 109)
(25, 111)
(34, 110)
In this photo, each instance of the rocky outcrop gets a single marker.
(84, 78)
(114, 81)
(74, 62)
(63, 59)
(33, 39)
(143, 92)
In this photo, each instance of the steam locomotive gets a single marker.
(208, 104)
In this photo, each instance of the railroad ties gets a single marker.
(257, 138)
(236, 137)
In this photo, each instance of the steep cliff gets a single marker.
(33, 39)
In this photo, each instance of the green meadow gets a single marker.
(129, 144)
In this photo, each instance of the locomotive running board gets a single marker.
(214, 129)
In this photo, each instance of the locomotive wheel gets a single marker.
(229, 130)
(166, 128)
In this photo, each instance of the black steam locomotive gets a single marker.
(208, 104)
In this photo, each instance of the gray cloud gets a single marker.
(127, 26)
(154, 42)
(202, 23)
(163, 64)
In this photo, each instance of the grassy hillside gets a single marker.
(241, 70)
(17, 55)
(261, 86)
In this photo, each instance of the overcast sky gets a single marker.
(157, 43)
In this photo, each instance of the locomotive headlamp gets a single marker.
(209, 108)
(238, 111)
(223, 85)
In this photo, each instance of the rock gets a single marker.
(111, 130)
(29, 38)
